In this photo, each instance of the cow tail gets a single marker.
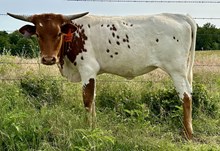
(192, 48)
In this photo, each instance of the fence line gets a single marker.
(152, 1)
(114, 81)
(196, 18)
(38, 63)
(199, 18)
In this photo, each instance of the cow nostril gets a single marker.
(48, 60)
(53, 60)
(43, 60)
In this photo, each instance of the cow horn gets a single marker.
(20, 17)
(71, 17)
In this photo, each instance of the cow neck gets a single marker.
(67, 42)
(73, 45)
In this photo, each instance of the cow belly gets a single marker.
(130, 73)
(128, 68)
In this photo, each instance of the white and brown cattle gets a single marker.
(85, 46)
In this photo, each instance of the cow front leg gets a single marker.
(89, 102)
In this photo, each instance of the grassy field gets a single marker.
(40, 110)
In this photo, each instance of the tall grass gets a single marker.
(43, 111)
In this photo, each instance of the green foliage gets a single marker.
(25, 48)
(96, 139)
(42, 91)
(162, 104)
(166, 103)
(50, 127)
(18, 126)
(17, 45)
(122, 98)
(41, 112)
(4, 42)
(208, 37)
(154, 106)
(203, 102)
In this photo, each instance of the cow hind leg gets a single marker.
(89, 102)
(184, 90)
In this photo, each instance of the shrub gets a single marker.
(203, 101)
(17, 45)
(165, 102)
(117, 95)
(162, 104)
(154, 105)
(41, 91)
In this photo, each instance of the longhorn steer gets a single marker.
(125, 46)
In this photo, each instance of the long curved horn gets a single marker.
(21, 17)
(71, 17)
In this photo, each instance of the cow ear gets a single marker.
(68, 27)
(27, 30)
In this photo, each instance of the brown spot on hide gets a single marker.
(118, 43)
(109, 41)
(102, 25)
(129, 46)
(118, 37)
(157, 40)
(107, 50)
(113, 34)
(127, 36)
(124, 40)
(116, 53)
(114, 28)
(174, 37)
(77, 45)
(75, 63)
(111, 56)
(88, 25)
(131, 25)
(88, 93)
(82, 58)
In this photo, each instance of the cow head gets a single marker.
(50, 30)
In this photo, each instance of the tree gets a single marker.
(208, 37)
(25, 48)
(4, 43)
(16, 44)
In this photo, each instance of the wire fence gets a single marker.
(15, 72)
(153, 1)
(39, 66)
(38, 63)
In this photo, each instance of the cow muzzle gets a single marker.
(47, 60)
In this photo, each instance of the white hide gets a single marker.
(139, 45)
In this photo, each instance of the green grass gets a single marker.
(45, 112)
